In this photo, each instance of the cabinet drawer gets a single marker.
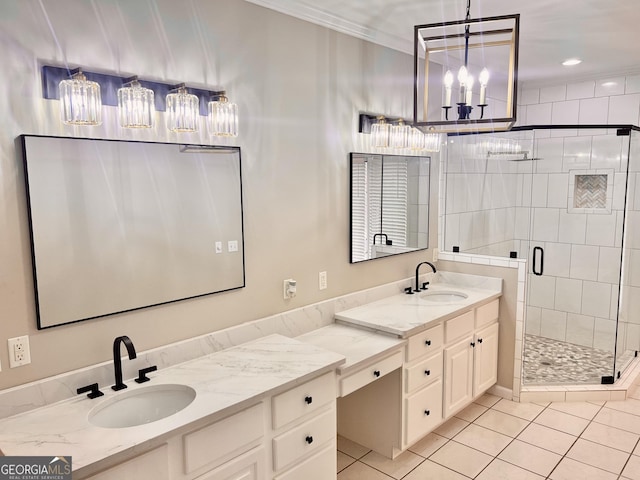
(303, 399)
(211, 444)
(423, 412)
(304, 439)
(322, 466)
(249, 466)
(458, 327)
(369, 374)
(425, 343)
(487, 313)
(422, 373)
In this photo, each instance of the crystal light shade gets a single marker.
(380, 133)
(135, 106)
(223, 117)
(80, 101)
(182, 111)
(400, 135)
(432, 142)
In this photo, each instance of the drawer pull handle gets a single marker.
(376, 373)
(308, 400)
(309, 439)
(479, 340)
(473, 344)
(427, 342)
(427, 412)
(427, 372)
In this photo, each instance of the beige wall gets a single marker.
(299, 88)
(507, 320)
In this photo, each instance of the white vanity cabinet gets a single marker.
(444, 367)
(422, 373)
(289, 436)
(304, 431)
(470, 356)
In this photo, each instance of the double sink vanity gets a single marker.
(383, 375)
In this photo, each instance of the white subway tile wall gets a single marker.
(582, 248)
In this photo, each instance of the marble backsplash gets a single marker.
(290, 323)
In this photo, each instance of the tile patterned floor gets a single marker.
(548, 362)
(496, 439)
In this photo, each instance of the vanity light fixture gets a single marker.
(135, 105)
(487, 46)
(396, 133)
(182, 110)
(80, 100)
(223, 116)
(380, 133)
(82, 94)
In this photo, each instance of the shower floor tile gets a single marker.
(548, 361)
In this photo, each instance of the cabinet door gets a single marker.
(153, 465)
(458, 376)
(423, 412)
(250, 466)
(485, 355)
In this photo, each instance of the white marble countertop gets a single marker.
(358, 345)
(224, 382)
(405, 315)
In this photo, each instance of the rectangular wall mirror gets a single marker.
(389, 205)
(121, 225)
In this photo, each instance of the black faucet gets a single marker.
(424, 286)
(117, 361)
(386, 239)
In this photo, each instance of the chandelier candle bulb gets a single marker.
(462, 78)
(484, 79)
(469, 85)
(448, 81)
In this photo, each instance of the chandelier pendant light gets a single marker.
(182, 110)
(223, 116)
(80, 100)
(478, 49)
(135, 105)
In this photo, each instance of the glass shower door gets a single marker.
(577, 214)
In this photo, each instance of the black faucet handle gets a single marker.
(425, 285)
(142, 374)
(93, 389)
(408, 291)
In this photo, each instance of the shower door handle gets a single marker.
(537, 250)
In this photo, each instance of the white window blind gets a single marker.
(369, 215)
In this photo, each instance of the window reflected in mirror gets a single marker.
(389, 205)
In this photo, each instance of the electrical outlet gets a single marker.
(19, 352)
(232, 245)
(322, 280)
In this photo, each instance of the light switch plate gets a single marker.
(232, 246)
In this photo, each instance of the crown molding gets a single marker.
(329, 20)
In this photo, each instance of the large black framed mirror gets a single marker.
(389, 204)
(122, 225)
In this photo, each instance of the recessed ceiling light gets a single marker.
(571, 61)
(609, 84)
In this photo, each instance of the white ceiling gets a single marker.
(605, 34)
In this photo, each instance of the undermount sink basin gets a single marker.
(443, 297)
(142, 405)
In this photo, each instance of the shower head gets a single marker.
(520, 156)
(525, 158)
